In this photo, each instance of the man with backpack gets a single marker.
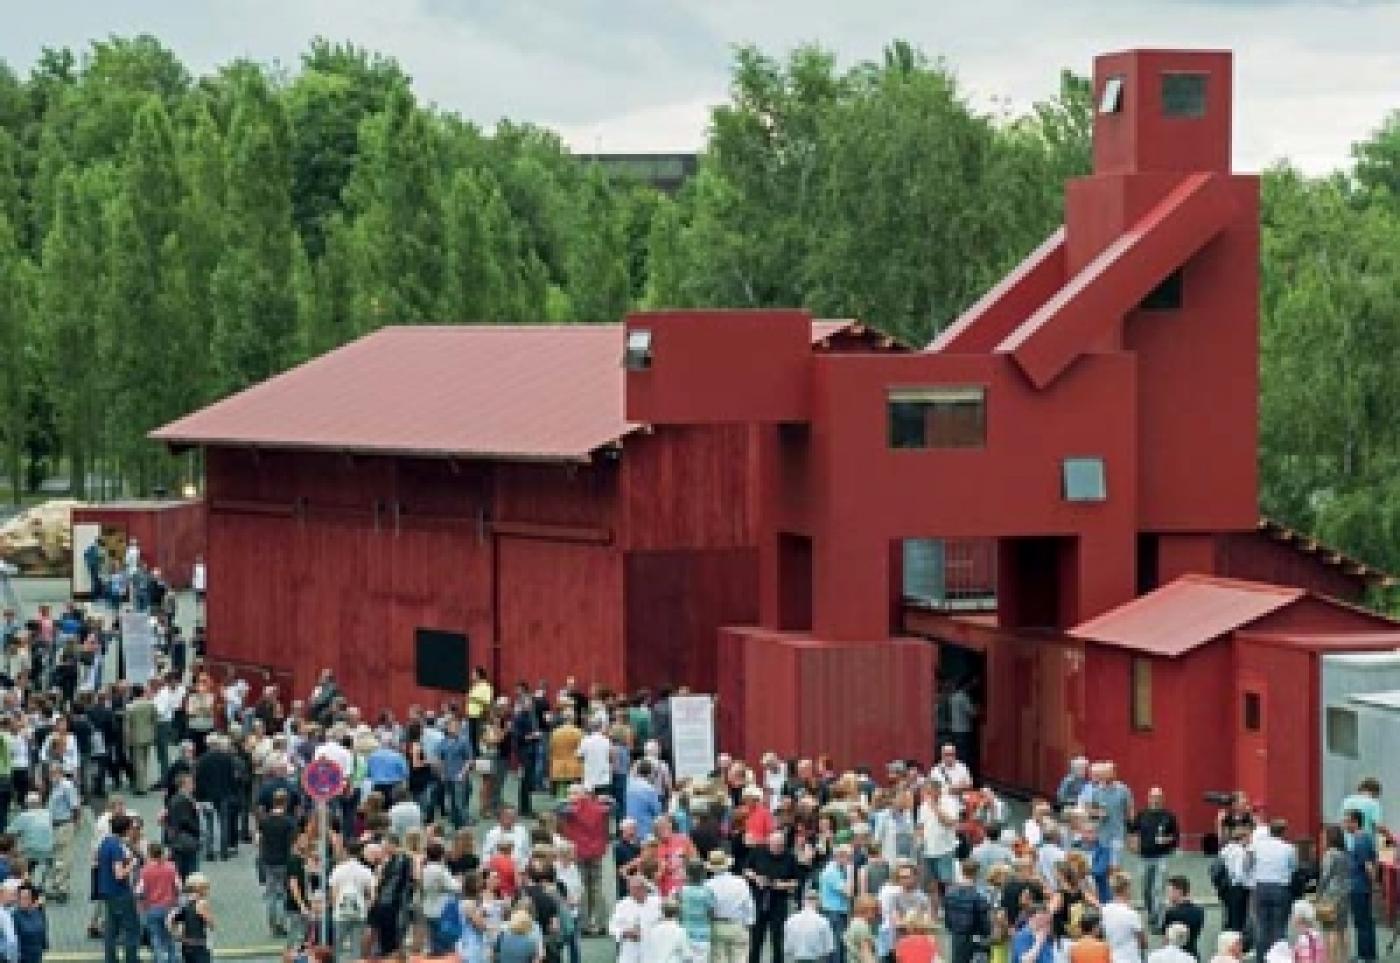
(352, 888)
(967, 914)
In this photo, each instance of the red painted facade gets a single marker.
(318, 559)
(1130, 337)
(170, 533)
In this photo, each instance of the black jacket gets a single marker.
(1158, 834)
(213, 776)
(966, 912)
(181, 823)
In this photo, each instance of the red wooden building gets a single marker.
(1095, 415)
(737, 506)
(481, 480)
(170, 533)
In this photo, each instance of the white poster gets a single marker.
(693, 735)
(138, 646)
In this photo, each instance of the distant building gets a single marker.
(665, 172)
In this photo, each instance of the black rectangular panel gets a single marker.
(441, 659)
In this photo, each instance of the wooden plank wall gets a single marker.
(676, 602)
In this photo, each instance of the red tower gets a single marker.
(1095, 413)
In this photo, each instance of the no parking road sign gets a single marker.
(323, 780)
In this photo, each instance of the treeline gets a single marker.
(167, 239)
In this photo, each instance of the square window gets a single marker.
(637, 354)
(1111, 100)
(1084, 480)
(1183, 95)
(1343, 735)
(1142, 695)
(938, 417)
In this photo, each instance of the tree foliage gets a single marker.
(166, 239)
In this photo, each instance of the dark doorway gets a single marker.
(962, 698)
(794, 582)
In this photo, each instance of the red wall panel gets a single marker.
(1256, 556)
(676, 602)
(170, 535)
(560, 612)
(688, 487)
(1291, 721)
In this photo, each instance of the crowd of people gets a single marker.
(426, 852)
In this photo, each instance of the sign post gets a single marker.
(323, 781)
(693, 735)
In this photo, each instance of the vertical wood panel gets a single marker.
(676, 603)
(560, 612)
(689, 487)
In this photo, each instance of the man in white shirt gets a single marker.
(508, 828)
(1122, 926)
(633, 919)
(951, 772)
(666, 942)
(595, 751)
(352, 894)
(807, 935)
(938, 818)
(734, 911)
(1174, 951)
(1271, 861)
(168, 699)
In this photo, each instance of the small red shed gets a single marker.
(170, 533)
(1223, 684)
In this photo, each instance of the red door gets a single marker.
(1252, 736)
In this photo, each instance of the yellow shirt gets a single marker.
(478, 699)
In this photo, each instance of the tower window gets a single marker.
(1183, 95)
(1111, 100)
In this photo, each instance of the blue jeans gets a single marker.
(122, 926)
(1363, 917)
(458, 800)
(162, 943)
(838, 923)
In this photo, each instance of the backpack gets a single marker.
(1219, 876)
(449, 924)
(350, 906)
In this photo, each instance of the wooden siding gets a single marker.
(688, 487)
(560, 609)
(1256, 556)
(170, 536)
(676, 603)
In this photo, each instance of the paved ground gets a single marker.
(242, 928)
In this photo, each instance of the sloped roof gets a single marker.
(513, 392)
(1186, 613)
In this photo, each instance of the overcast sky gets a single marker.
(1312, 76)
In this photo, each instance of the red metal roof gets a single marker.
(1186, 613)
(514, 392)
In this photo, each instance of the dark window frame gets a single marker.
(1184, 94)
(910, 413)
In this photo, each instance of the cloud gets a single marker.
(1311, 77)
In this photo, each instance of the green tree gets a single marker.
(665, 263)
(72, 309)
(474, 286)
(16, 360)
(255, 307)
(397, 195)
(598, 286)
